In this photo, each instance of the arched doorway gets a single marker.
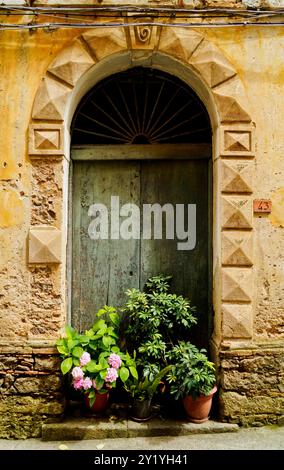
(141, 141)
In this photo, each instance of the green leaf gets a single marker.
(78, 351)
(71, 343)
(114, 318)
(107, 341)
(99, 324)
(133, 372)
(103, 362)
(92, 366)
(70, 332)
(123, 374)
(103, 374)
(66, 365)
(100, 381)
(92, 394)
(63, 350)
(115, 349)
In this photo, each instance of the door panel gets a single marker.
(104, 269)
(179, 182)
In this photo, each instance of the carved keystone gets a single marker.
(144, 37)
(237, 321)
(44, 244)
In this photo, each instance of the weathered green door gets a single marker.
(104, 268)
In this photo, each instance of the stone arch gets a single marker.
(97, 53)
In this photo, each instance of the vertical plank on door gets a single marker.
(102, 269)
(180, 182)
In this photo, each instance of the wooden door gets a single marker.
(104, 269)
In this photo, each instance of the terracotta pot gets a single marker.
(100, 404)
(198, 409)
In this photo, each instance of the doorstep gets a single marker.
(105, 428)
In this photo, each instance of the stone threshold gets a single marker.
(104, 428)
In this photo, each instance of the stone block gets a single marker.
(235, 405)
(22, 405)
(50, 100)
(250, 383)
(51, 363)
(237, 284)
(237, 140)
(105, 41)
(237, 248)
(231, 100)
(44, 244)
(212, 65)
(180, 43)
(236, 212)
(236, 176)
(237, 321)
(71, 63)
(46, 139)
(43, 384)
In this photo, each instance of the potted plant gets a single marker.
(155, 321)
(192, 378)
(94, 361)
(142, 392)
(158, 324)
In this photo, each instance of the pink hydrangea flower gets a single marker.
(84, 359)
(115, 361)
(78, 384)
(111, 375)
(87, 383)
(77, 373)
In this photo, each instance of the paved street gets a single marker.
(264, 438)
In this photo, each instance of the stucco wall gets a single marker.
(31, 194)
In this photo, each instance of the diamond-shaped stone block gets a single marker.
(237, 176)
(44, 244)
(236, 212)
(71, 63)
(46, 139)
(237, 321)
(50, 100)
(230, 109)
(237, 284)
(212, 65)
(105, 41)
(231, 100)
(180, 43)
(237, 140)
(237, 248)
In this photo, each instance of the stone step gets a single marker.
(98, 428)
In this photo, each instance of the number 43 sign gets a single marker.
(262, 206)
